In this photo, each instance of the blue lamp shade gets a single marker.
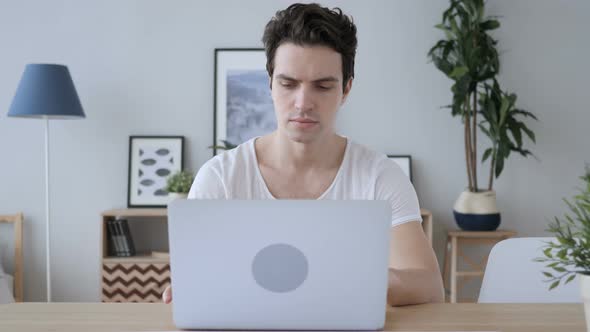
(46, 91)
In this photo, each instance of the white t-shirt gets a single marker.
(363, 175)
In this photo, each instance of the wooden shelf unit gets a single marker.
(140, 278)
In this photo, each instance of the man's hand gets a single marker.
(167, 295)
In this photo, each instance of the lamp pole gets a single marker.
(47, 215)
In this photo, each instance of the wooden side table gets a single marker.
(455, 239)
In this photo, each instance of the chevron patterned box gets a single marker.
(134, 282)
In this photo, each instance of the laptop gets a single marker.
(279, 264)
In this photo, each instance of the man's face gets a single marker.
(307, 90)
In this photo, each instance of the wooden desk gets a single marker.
(76, 317)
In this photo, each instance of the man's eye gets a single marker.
(323, 87)
(287, 84)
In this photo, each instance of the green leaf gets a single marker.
(491, 111)
(446, 13)
(486, 154)
(528, 132)
(512, 98)
(485, 131)
(570, 278)
(454, 27)
(554, 284)
(447, 31)
(559, 269)
(480, 11)
(548, 275)
(458, 72)
(442, 65)
(525, 113)
(228, 145)
(500, 161)
(504, 110)
(489, 25)
(515, 130)
(547, 253)
(561, 240)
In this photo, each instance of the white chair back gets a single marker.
(512, 275)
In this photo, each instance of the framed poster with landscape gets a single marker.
(152, 159)
(243, 106)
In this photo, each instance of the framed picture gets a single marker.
(243, 106)
(151, 160)
(405, 162)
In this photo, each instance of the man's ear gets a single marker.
(347, 89)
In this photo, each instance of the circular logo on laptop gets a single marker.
(280, 268)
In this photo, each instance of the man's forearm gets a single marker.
(414, 286)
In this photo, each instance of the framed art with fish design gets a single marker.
(152, 159)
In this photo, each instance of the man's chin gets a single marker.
(303, 137)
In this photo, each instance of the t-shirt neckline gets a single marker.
(263, 183)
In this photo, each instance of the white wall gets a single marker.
(146, 67)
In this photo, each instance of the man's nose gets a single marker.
(304, 99)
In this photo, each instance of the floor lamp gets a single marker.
(46, 91)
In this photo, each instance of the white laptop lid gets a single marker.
(279, 264)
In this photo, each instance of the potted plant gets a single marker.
(179, 184)
(569, 255)
(468, 56)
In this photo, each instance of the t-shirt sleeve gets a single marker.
(393, 184)
(208, 183)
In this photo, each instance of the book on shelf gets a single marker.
(129, 246)
(120, 239)
(116, 239)
(113, 241)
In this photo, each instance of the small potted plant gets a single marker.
(569, 255)
(179, 184)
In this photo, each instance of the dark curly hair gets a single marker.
(309, 25)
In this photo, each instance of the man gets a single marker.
(310, 61)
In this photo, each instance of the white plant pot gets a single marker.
(477, 211)
(585, 289)
(174, 196)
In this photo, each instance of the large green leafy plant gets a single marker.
(468, 56)
(570, 254)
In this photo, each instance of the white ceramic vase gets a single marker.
(174, 196)
(477, 211)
